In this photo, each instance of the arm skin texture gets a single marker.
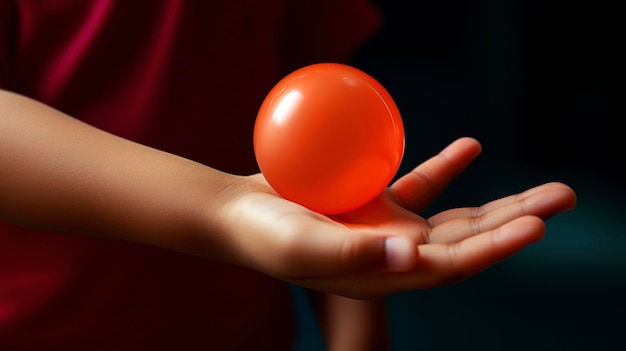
(59, 174)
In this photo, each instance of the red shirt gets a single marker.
(183, 76)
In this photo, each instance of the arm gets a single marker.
(59, 174)
(352, 325)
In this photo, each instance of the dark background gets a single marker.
(539, 84)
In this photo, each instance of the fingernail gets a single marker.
(400, 252)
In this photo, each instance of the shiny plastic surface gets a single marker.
(329, 137)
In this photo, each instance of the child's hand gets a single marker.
(102, 185)
(385, 246)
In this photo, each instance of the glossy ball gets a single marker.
(329, 137)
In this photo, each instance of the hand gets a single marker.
(385, 246)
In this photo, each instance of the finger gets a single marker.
(449, 263)
(443, 264)
(543, 201)
(319, 252)
(417, 189)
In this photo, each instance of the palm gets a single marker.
(346, 254)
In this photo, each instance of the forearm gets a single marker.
(352, 325)
(57, 173)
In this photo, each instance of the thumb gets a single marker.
(334, 250)
(287, 241)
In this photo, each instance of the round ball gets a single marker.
(329, 137)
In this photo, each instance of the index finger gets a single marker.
(417, 189)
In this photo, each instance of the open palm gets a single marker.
(385, 246)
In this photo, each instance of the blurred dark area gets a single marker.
(538, 84)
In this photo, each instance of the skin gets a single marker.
(62, 175)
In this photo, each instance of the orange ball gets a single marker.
(329, 137)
